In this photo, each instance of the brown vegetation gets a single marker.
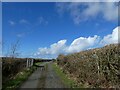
(11, 66)
(98, 67)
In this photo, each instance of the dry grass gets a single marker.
(11, 66)
(94, 68)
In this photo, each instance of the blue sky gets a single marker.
(48, 29)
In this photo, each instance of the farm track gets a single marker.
(52, 79)
(33, 80)
(43, 79)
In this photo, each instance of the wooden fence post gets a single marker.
(27, 63)
(32, 63)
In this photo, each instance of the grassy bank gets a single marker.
(18, 79)
(38, 63)
(67, 81)
(94, 68)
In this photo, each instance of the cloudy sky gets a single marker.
(47, 29)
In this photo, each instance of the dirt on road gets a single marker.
(33, 80)
(43, 79)
(52, 79)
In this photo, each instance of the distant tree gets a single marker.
(14, 49)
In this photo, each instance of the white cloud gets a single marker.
(20, 35)
(23, 21)
(60, 7)
(82, 43)
(58, 47)
(111, 38)
(78, 44)
(55, 48)
(84, 11)
(92, 10)
(42, 20)
(72, 8)
(11, 22)
(110, 11)
(61, 47)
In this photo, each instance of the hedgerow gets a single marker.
(98, 67)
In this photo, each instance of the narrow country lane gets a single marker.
(52, 79)
(33, 80)
(43, 79)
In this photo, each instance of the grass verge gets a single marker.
(68, 82)
(38, 63)
(18, 79)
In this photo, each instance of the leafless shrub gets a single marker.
(11, 66)
(97, 67)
